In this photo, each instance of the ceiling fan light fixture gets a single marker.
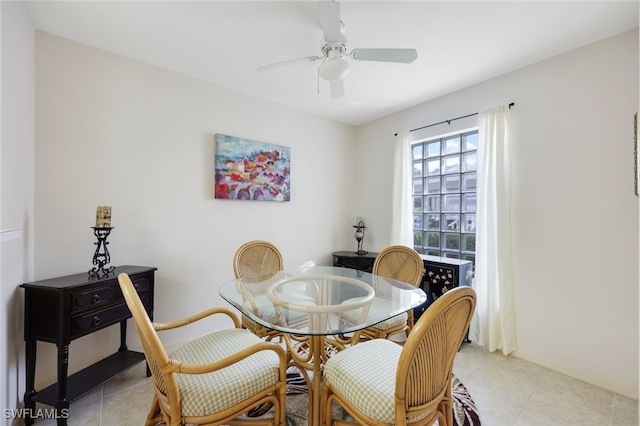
(333, 46)
(334, 69)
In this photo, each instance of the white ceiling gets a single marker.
(459, 43)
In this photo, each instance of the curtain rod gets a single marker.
(449, 120)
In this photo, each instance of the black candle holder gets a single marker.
(359, 235)
(101, 256)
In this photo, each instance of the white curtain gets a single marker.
(493, 325)
(401, 211)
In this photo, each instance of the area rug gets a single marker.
(465, 412)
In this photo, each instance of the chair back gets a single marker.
(399, 263)
(152, 346)
(257, 260)
(425, 367)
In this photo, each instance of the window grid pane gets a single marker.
(451, 145)
(416, 151)
(433, 149)
(433, 222)
(444, 192)
(417, 169)
(469, 182)
(433, 185)
(451, 183)
(469, 161)
(470, 141)
(417, 186)
(417, 222)
(432, 203)
(433, 167)
(417, 204)
(451, 164)
(451, 203)
(469, 202)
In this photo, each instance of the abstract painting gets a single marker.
(251, 170)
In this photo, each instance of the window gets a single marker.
(444, 196)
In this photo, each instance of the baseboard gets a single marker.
(624, 390)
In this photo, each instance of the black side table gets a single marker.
(349, 259)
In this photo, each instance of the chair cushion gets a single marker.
(203, 394)
(378, 307)
(267, 311)
(365, 374)
(265, 308)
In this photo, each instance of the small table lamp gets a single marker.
(359, 235)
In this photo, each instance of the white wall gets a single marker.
(17, 142)
(575, 214)
(112, 131)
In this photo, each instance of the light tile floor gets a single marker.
(507, 390)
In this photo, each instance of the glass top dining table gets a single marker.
(316, 300)
(315, 308)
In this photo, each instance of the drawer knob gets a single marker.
(96, 299)
(96, 321)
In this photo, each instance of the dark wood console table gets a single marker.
(59, 310)
(352, 260)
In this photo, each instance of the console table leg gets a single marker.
(62, 407)
(123, 342)
(30, 369)
(123, 336)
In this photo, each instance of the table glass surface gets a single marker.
(321, 300)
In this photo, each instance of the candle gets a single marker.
(103, 217)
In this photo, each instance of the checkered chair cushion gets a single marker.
(378, 308)
(212, 392)
(349, 372)
(365, 374)
(264, 308)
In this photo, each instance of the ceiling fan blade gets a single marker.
(329, 14)
(289, 62)
(405, 56)
(337, 89)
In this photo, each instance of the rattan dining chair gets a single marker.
(213, 379)
(256, 261)
(403, 264)
(380, 383)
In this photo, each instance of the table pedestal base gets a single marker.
(308, 354)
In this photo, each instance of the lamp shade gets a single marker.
(334, 69)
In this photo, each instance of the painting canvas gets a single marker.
(252, 170)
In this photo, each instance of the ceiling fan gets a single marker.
(334, 47)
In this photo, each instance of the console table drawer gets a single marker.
(95, 320)
(92, 298)
(142, 284)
